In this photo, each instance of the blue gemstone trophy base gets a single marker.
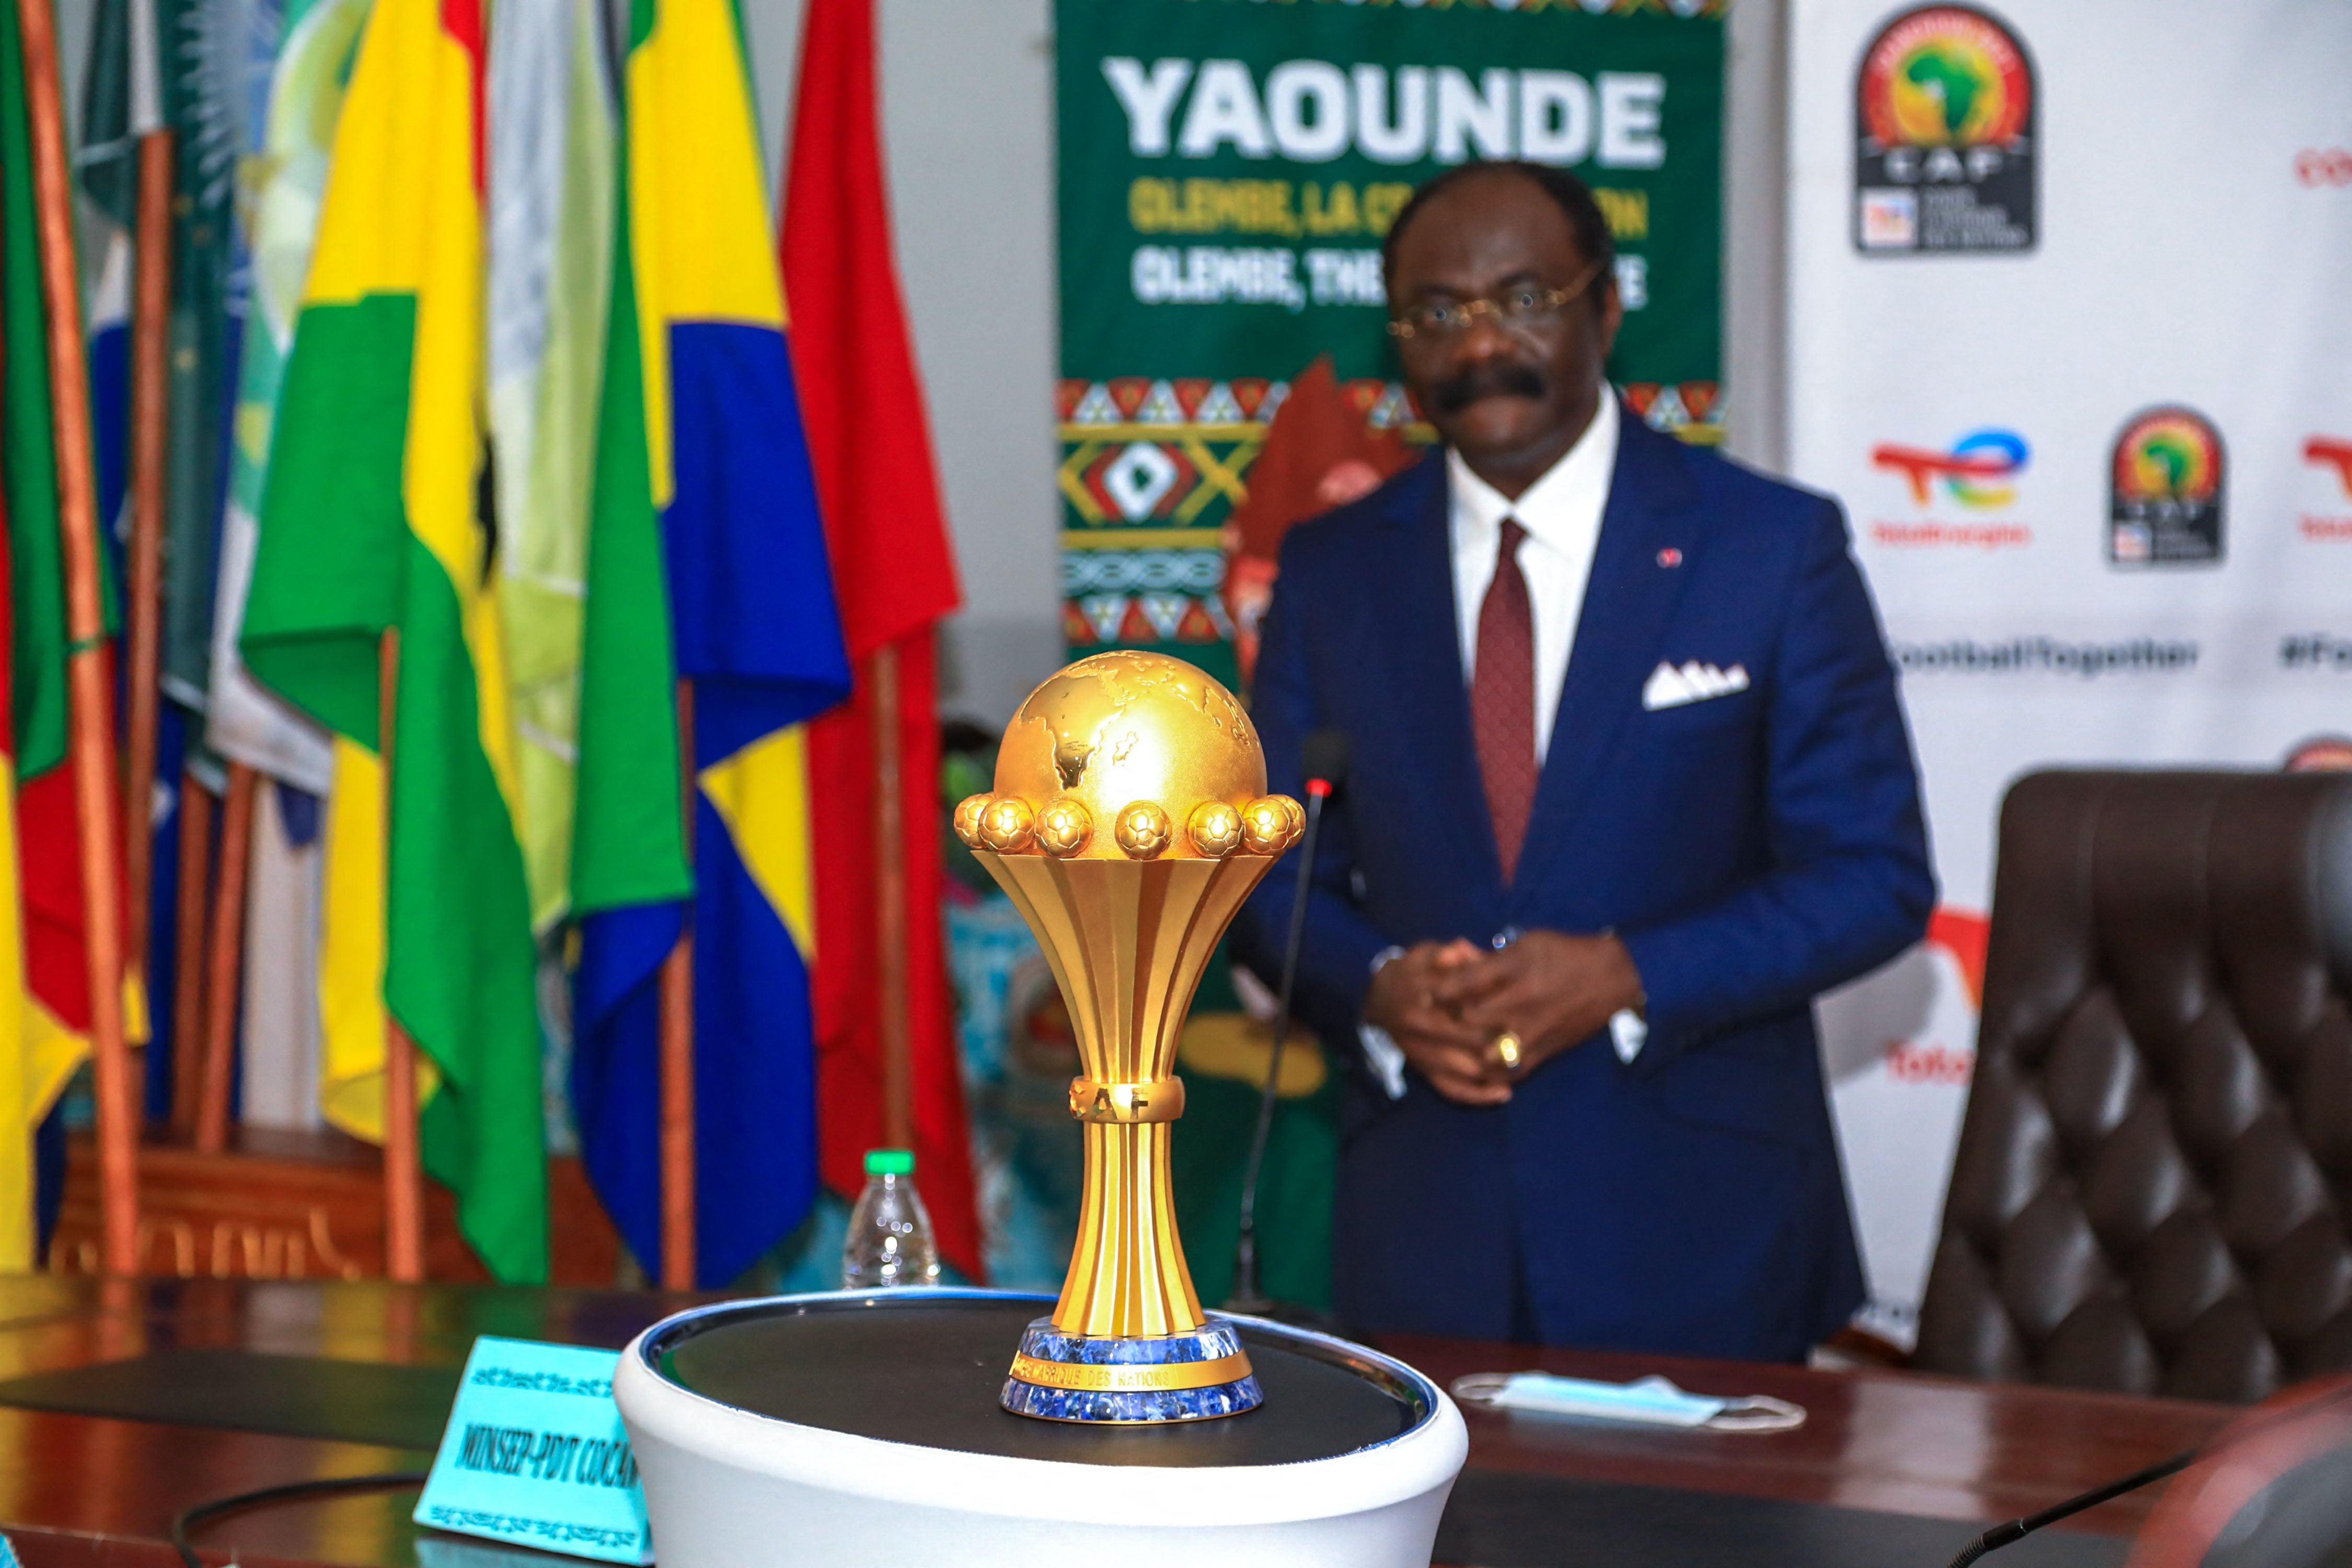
(1195, 1376)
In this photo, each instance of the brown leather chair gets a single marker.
(2153, 1178)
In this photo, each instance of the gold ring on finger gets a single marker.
(1508, 1046)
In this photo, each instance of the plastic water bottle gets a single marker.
(889, 1240)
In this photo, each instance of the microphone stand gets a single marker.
(2016, 1529)
(1246, 1297)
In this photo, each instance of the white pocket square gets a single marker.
(1669, 686)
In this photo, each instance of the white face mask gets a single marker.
(1649, 1401)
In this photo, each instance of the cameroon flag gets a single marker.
(44, 969)
(373, 521)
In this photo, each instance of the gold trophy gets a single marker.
(1129, 820)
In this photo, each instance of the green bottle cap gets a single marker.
(889, 1162)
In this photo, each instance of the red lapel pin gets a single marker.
(1670, 556)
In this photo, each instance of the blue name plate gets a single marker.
(535, 1454)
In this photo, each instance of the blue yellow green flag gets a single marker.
(707, 564)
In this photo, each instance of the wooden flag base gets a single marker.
(304, 1206)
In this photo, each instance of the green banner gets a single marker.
(1227, 169)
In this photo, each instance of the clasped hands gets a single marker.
(1446, 1005)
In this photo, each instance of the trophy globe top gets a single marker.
(1126, 755)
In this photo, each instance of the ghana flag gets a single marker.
(373, 520)
(707, 564)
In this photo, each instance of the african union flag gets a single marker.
(372, 520)
(706, 566)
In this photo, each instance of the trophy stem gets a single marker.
(1128, 1276)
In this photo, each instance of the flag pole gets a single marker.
(890, 902)
(150, 385)
(403, 1168)
(93, 718)
(677, 1048)
(188, 963)
(221, 987)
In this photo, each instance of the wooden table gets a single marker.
(79, 1491)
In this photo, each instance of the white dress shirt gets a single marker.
(1561, 513)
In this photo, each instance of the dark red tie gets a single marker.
(1502, 698)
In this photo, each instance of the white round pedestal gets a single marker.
(727, 1487)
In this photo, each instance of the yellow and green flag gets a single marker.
(375, 518)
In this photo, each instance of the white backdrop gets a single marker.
(2191, 248)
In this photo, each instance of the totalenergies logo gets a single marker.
(2333, 456)
(2333, 453)
(2169, 455)
(1974, 472)
(1945, 77)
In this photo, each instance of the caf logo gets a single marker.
(1944, 136)
(2165, 494)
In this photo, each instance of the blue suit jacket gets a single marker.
(1751, 850)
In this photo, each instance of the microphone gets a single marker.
(1325, 755)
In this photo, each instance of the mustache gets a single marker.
(1457, 393)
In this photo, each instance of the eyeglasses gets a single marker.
(1524, 309)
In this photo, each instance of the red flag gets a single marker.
(894, 576)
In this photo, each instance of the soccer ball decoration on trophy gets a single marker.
(1129, 820)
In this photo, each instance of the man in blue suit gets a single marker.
(1629, 785)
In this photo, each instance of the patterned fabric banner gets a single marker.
(1226, 175)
